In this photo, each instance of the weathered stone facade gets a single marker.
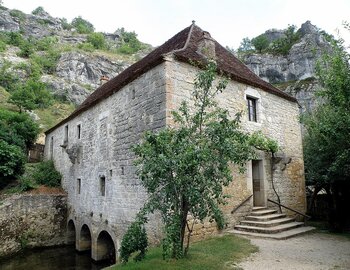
(92, 148)
(32, 221)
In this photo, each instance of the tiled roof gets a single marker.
(184, 46)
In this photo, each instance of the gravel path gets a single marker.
(311, 251)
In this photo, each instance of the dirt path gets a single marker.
(311, 251)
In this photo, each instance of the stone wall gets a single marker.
(278, 118)
(32, 221)
(108, 130)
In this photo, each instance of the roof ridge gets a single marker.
(186, 43)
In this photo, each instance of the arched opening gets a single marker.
(70, 232)
(85, 239)
(105, 248)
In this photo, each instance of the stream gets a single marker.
(57, 258)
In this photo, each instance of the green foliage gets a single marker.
(82, 26)
(263, 143)
(17, 129)
(8, 79)
(46, 62)
(65, 24)
(15, 39)
(46, 43)
(31, 95)
(129, 42)
(97, 40)
(46, 174)
(135, 240)
(12, 162)
(38, 10)
(18, 14)
(185, 168)
(246, 45)
(2, 46)
(26, 48)
(260, 43)
(284, 44)
(88, 47)
(326, 142)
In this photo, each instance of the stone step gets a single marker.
(255, 208)
(263, 212)
(278, 236)
(267, 230)
(265, 217)
(267, 223)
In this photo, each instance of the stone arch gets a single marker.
(105, 248)
(71, 232)
(84, 241)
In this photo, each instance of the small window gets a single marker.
(66, 134)
(122, 170)
(51, 148)
(251, 102)
(78, 186)
(133, 93)
(110, 173)
(103, 186)
(78, 131)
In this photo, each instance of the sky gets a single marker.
(228, 21)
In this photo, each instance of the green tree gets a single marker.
(326, 142)
(82, 26)
(184, 168)
(31, 95)
(97, 40)
(284, 44)
(245, 46)
(260, 43)
(38, 10)
(12, 162)
(17, 129)
(129, 43)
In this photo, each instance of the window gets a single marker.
(133, 93)
(65, 134)
(103, 186)
(251, 102)
(78, 185)
(110, 173)
(78, 131)
(122, 170)
(51, 147)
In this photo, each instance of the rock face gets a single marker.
(77, 72)
(298, 65)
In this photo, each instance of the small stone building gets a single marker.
(92, 147)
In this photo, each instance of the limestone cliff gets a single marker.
(294, 72)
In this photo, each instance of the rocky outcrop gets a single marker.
(297, 68)
(7, 23)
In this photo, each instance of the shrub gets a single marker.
(260, 43)
(12, 162)
(65, 24)
(8, 79)
(129, 42)
(18, 14)
(88, 47)
(38, 10)
(48, 62)
(2, 46)
(26, 48)
(82, 26)
(18, 129)
(46, 174)
(45, 43)
(97, 40)
(15, 39)
(284, 44)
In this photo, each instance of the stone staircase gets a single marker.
(267, 223)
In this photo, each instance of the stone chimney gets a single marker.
(206, 46)
(103, 79)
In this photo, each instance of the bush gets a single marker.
(260, 43)
(46, 174)
(82, 26)
(88, 47)
(38, 10)
(65, 24)
(12, 162)
(45, 43)
(97, 40)
(26, 48)
(8, 79)
(284, 44)
(17, 129)
(2, 46)
(46, 63)
(15, 39)
(18, 14)
(129, 42)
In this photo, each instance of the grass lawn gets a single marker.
(213, 254)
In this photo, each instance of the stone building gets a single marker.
(92, 147)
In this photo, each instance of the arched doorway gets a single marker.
(71, 232)
(105, 249)
(84, 242)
